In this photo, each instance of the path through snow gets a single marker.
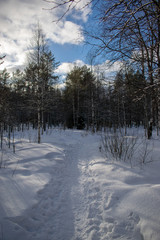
(81, 198)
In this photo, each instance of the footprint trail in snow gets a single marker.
(75, 204)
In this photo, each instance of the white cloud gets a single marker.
(106, 69)
(84, 8)
(78, 9)
(66, 32)
(66, 67)
(17, 21)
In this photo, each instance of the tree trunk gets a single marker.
(39, 125)
(9, 137)
(1, 136)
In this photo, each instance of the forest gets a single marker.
(79, 155)
(33, 98)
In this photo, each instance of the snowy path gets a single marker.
(93, 211)
(52, 216)
(72, 194)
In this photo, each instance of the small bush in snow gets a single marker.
(119, 147)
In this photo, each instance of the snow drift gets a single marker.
(65, 189)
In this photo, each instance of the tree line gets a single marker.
(31, 99)
(127, 31)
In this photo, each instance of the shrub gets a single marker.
(119, 147)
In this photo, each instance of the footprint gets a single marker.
(94, 211)
(109, 220)
(111, 200)
(94, 235)
(134, 217)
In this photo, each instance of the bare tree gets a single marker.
(126, 31)
(1, 59)
(67, 6)
(40, 74)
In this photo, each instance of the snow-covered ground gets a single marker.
(65, 189)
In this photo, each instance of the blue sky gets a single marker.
(69, 52)
(18, 19)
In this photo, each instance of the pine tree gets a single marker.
(40, 77)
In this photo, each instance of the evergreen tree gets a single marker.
(79, 96)
(40, 76)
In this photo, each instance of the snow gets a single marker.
(65, 189)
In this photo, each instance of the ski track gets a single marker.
(70, 206)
